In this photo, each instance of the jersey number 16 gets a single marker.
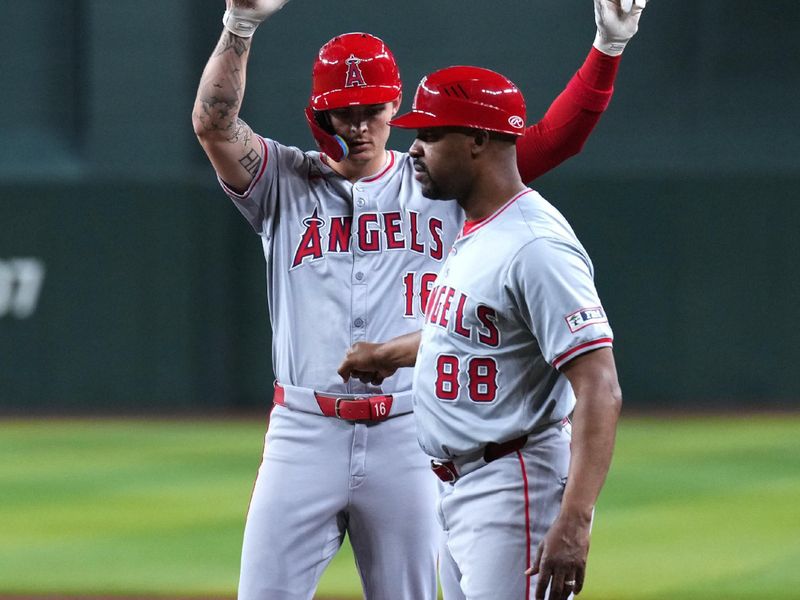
(426, 281)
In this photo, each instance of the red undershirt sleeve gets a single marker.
(569, 121)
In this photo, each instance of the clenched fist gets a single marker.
(365, 362)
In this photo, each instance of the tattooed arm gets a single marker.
(228, 141)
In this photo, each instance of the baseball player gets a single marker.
(352, 249)
(514, 333)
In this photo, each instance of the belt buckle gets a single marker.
(336, 407)
(440, 468)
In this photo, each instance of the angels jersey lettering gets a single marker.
(375, 232)
(514, 302)
(345, 262)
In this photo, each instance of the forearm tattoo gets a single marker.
(222, 88)
(228, 41)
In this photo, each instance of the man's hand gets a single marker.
(365, 361)
(243, 16)
(561, 558)
(617, 22)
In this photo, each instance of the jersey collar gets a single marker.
(386, 168)
(471, 227)
(390, 160)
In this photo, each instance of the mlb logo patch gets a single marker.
(585, 317)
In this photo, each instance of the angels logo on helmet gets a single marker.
(354, 76)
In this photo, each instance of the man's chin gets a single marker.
(431, 192)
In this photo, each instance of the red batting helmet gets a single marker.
(354, 69)
(466, 97)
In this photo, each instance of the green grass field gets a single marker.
(694, 508)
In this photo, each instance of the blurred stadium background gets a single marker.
(130, 288)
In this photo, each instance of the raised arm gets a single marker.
(228, 141)
(569, 121)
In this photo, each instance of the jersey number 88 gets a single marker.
(481, 378)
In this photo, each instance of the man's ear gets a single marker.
(396, 104)
(480, 141)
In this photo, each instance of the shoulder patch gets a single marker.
(585, 317)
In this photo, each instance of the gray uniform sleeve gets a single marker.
(551, 284)
(260, 202)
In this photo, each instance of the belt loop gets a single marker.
(278, 396)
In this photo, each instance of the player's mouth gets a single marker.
(420, 171)
(358, 146)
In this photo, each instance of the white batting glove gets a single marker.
(243, 16)
(617, 22)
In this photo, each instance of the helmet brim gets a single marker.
(417, 119)
(355, 96)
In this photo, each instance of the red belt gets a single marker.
(366, 408)
(449, 472)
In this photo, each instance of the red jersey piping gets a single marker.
(383, 172)
(569, 354)
(471, 226)
(324, 158)
(528, 562)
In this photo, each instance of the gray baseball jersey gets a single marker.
(514, 302)
(345, 262)
(305, 214)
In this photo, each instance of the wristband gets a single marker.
(609, 47)
(241, 21)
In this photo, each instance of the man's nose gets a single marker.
(358, 124)
(415, 151)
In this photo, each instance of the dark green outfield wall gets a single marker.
(699, 277)
(127, 282)
(145, 302)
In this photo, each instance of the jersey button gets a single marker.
(360, 202)
(359, 276)
(359, 322)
